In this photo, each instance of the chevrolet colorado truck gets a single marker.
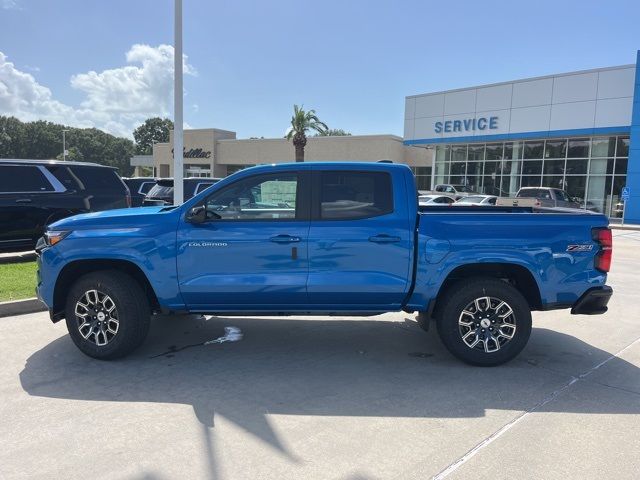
(324, 239)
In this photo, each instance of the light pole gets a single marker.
(178, 140)
(64, 145)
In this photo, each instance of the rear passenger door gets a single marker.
(359, 240)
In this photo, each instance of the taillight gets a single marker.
(604, 238)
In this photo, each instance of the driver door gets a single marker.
(251, 251)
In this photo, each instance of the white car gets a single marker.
(435, 200)
(477, 200)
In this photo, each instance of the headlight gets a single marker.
(54, 236)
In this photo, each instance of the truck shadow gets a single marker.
(290, 366)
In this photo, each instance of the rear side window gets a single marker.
(23, 179)
(65, 176)
(98, 178)
(145, 187)
(354, 195)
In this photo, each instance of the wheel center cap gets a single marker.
(101, 316)
(484, 323)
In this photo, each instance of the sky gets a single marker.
(109, 63)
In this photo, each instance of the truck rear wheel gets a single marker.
(484, 321)
(107, 314)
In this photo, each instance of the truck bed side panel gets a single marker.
(536, 241)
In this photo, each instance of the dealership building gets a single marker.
(212, 152)
(577, 131)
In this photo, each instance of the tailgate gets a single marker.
(517, 202)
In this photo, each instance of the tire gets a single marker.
(119, 322)
(481, 335)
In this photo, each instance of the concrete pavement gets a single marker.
(341, 398)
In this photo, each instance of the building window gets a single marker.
(591, 170)
(201, 171)
(423, 177)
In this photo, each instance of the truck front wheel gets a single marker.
(484, 321)
(107, 314)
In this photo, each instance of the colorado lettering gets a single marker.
(467, 125)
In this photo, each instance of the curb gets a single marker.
(17, 257)
(21, 307)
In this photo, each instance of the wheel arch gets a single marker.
(517, 275)
(76, 269)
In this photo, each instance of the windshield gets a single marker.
(462, 188)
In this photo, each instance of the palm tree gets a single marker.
(301, 123)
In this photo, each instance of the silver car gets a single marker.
(477, 200)
(435, 200)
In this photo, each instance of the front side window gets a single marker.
(262, 197)
(355, 195)
(23, 179)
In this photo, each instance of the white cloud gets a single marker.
(116, 100)
(9, 5)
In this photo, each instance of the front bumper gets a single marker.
(593, 302)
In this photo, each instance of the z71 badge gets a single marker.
(580, 248)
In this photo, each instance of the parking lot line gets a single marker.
(553, 395)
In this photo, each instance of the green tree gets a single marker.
(301, 123)
(74, 155)
(12, 137)
(42, 140)
(333, 132)
(153, 130)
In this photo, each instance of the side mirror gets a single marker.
(197, 214)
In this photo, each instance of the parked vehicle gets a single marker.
(435, 200)
(162, 193)
(539, 197)
(457, 191)
(139, 187)
(478, 200)
(351, 240)
(35, 193)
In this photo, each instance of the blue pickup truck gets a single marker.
(324, 239)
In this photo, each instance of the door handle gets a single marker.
(284, 239)
(23, 200)
(384, 238)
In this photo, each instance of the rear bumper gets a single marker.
(593, 302)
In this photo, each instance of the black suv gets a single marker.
(35, 193)
(139, 187)
(162, 193)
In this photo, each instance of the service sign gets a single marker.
(466, 125)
